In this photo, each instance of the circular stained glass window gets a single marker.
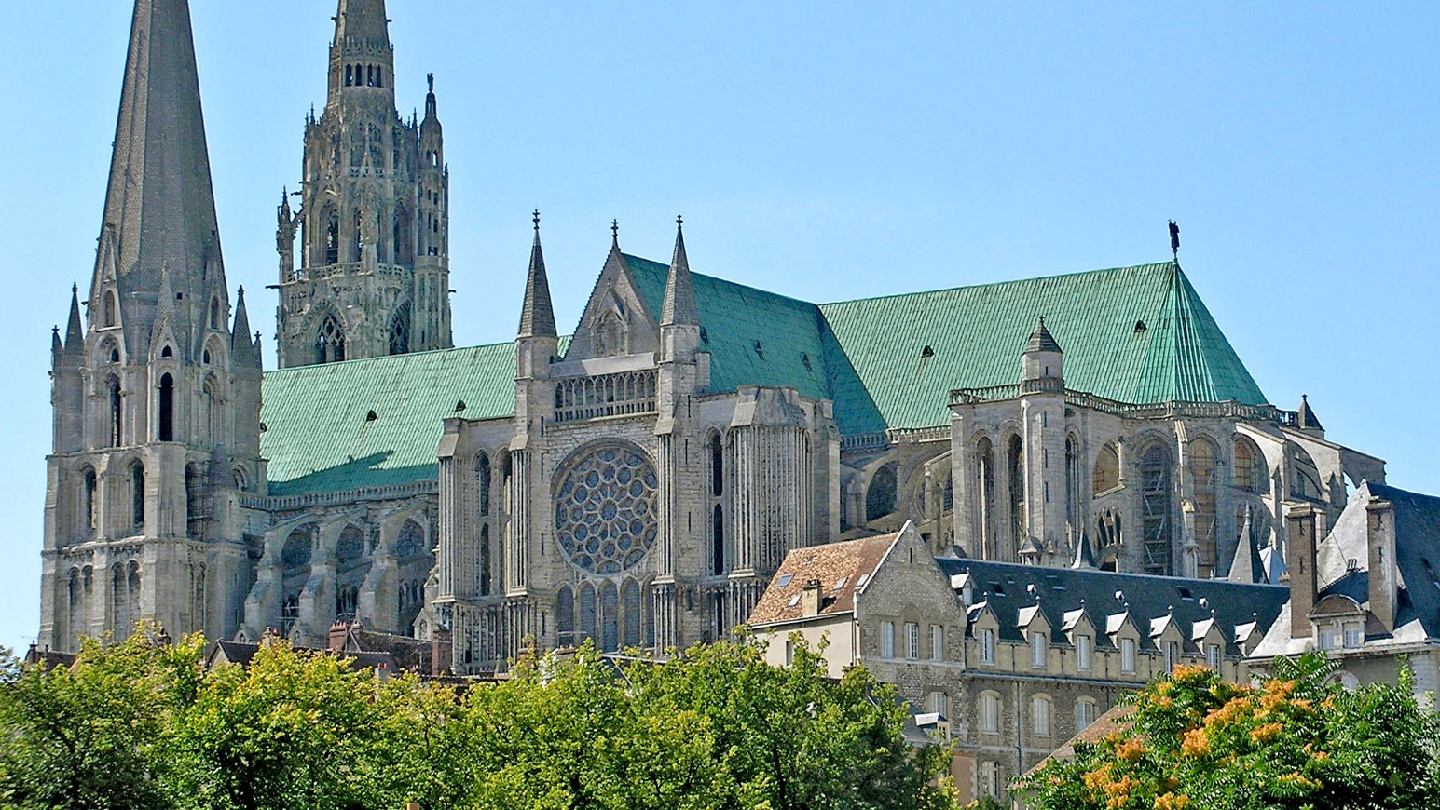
(605, 510)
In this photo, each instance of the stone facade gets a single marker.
(1015, 659)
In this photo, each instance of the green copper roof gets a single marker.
(318, 437)
(1134, 334)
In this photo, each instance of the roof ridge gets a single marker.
(1146, 266)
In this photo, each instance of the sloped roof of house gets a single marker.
(842, 569)
(1010, 588)
(1135, 334)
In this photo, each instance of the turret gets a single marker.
(1043, 361)
(1042, 401)
(362, 60)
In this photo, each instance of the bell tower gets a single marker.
(156, 398)
(373, 276)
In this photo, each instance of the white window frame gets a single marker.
(1354, 637)
(987, 646)
(989, 713)
(887, 639)
(1039, 649)
(1084, 714)
(937, 642)
(1040, 715)
(1084, 646)
(1212, 656)
(990, 780)
(1127, 656)
(938, 702)
(912, 640)
(1172, 655)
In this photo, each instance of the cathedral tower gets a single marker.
(374, 274)
(156, 399)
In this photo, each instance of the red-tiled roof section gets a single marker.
(839, 567)
(1117, 721)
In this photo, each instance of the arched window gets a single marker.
(110, 311)
(609, 618)
(1202, 483)
(1072, 481)
(89, 513)
(880, 497)
(349, 75)
(717, 541)
(1157, 507)
(609, 336)
(117, 410)
(1106, 475)
(587, 611)
(400, 331)
(948, 498)
(1040, 715)
(357, 237)
(167, 352)
(212, 416)
(482, 483)
(565, 616)
(985, 480)
(485, 560)
(330, 341)
(1249, 466)
(717, 466)
(167, 408)
(137, 497)
(630, 597)
(331, 244)
(1015, 456)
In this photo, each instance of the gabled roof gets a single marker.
(1148, 599)
(318, 436)
(840, 568)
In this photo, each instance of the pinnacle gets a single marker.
(679, 307)
(537, 316)
(1042, 341)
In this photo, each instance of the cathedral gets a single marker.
(637, 481)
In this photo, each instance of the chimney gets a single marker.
(338, 631)
(440, 651)
(1380, 550)
(1300, 560)
(810, 598)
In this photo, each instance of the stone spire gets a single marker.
(537, 318)
(1042, 341)
(1247, 566)
(363, 20)
(242, 349)
(1084, 559)
(74, 332)
(1305, 418)
(679, 307)
(160, 200)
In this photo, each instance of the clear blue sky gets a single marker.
(824, 150)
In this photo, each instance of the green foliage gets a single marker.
(1296, 740)
(143, 725)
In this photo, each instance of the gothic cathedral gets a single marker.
(638, 481)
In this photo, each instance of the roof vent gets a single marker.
(927, 352)
(460, 406)
(1185, 594)
(704, 336)
(1352, 565)
(805, 361)
(1139, 327)
(758, 350)
(371, 416)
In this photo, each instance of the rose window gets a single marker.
(605, 510)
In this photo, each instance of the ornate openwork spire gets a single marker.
(679, 307)
(537, 318)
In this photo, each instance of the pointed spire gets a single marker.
(1084, 558)
(57, 349)
(160, 198)
(1246, 565)
(74, 332)
(537, 318)
(1042, 341)
(614, 236)
(1305, 418)
(679, 307)
(363, 20)
(241, 349)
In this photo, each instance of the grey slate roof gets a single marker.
(1417, 554)
(1006, 588)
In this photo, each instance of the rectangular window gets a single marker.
(912, 640)
(937, 642)
(1329, 638)
(887, 640)
(1172, 653)
(1212, 656)
(1041, 710)
(1082, 652)
(1084, 714)
(989, 780)
(789, 653)
(1127, 655)
(938, 703)
(1354, 636)
(1037, 649)
(987, 646)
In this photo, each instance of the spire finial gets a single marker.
(430, 80)
(1174, 240)
(537, 220)
(615, 229)
(679, 221)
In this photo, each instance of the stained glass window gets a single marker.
(605, 510)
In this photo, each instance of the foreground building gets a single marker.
(1014, 659)
(637, 481)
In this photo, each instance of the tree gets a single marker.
(1297, 740)
(88, 736)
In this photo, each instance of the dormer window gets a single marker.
(1083, 647)
(1127, 656)
(987, 646)
(1038, 649)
